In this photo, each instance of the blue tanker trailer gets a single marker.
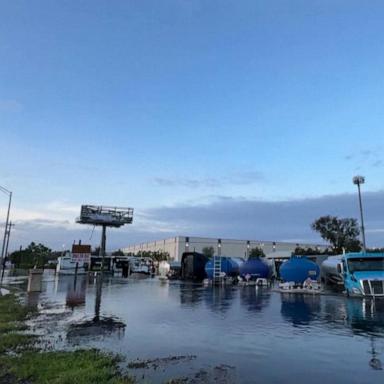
(230, 267)
(254, 269)
(298, 269)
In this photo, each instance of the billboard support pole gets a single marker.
(102, 245)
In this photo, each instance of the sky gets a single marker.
(241, 119)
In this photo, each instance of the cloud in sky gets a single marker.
(235, 178)
(224, 217)
(372, 156)
(278, 220)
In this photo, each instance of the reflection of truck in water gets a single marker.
(363, 274)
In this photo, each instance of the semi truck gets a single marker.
(363, 274)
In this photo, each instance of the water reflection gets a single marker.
(76, 292)
(300, 309)
(254, 298)
(99, 291)
(366, 317)
(191, 294)
(248, 328)
(98, 326)
(16, 277)
(219, 298)
(33, 300)
(104, 327)
(334, 312)
(375, 362)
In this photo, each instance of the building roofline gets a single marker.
(209, 239)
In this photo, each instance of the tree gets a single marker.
(341, 233)
(119, 252)
(34, 255)
(300, 251)
(256, 253)
(208, 251)
(154, 255)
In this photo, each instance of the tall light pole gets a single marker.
(357, 180)
(9, 193)
(219, 247)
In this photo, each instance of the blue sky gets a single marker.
(179, 103)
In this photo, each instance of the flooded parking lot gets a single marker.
(196, 333)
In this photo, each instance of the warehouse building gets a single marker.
(175, 246)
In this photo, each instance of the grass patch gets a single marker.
(21, 362)
(80, 367)
(12, 314)
(15, 342)
(12, 317)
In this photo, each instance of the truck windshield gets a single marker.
(366, 264)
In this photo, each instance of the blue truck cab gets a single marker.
(363, 274)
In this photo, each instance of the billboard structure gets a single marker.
(105, 216)
(108, 216)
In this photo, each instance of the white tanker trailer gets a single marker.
(331, 270)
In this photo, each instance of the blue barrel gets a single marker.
(229, 265)
(255, 268)
(298, 269)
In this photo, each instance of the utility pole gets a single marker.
(9, 193)
(10, 225)
(8, 233)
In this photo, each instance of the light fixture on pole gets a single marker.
(219, 247)
(357, 180)
(187, 244)
(9, 193)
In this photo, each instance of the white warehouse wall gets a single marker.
(175, 246)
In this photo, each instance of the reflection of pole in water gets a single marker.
(365, 317)
(33, 300)
(75, 292)
(99, 287)
(75, 280)
(375, 362)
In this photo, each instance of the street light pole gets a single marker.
(357, 180)
(9, 193)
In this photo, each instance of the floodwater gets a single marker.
(223, 334)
